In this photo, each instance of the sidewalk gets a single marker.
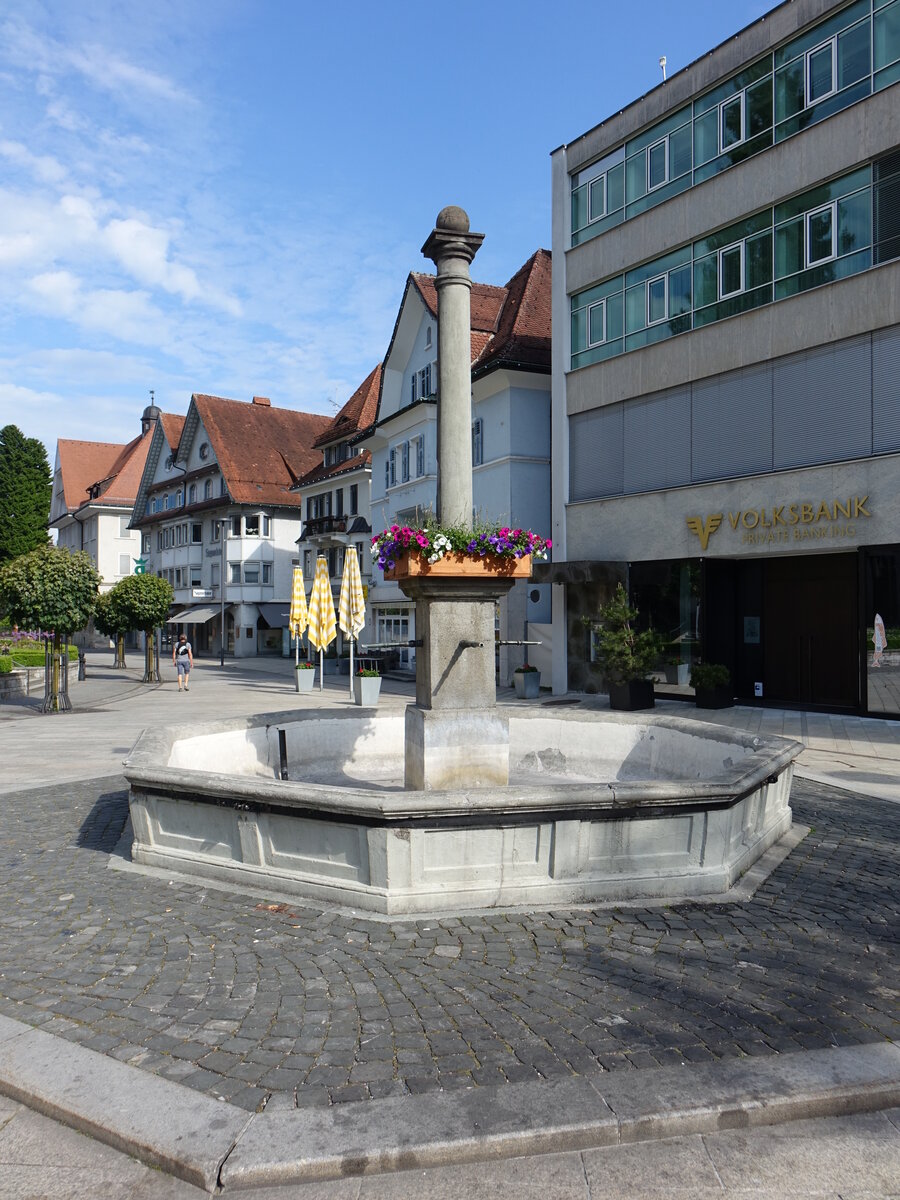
(160, 1016)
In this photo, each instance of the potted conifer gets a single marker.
(627, 655)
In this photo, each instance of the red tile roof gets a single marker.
(321, 472)
(172, 426)
(114, 468)
(523, 331)
(261, 450)
(357, 414)
(486, 301)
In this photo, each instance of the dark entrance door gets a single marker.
(790, 624)
(811, 640)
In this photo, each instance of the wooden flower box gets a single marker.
(409, 566)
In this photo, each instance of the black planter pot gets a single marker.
(631, 696)
(717, 697)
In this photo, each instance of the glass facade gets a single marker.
(841, 60)
(818, 237)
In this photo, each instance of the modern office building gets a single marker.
(726, 365)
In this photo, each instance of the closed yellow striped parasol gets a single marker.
(352, 606)
(322, 628)
(298, 618)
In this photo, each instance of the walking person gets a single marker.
(879, 637)
(183, 658)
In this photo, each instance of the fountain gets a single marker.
(459, 803)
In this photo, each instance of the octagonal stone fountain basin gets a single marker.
(600, 807)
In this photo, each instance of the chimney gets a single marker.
(263, 400)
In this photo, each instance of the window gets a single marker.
(731, 270)
(658, 164)
(124, 531)
(179, 498)
(391, 468)
(251, 525)
(235, 526)
(214, 575)
(731, 122)
(159, 539)
(196, 533)
(124, 564)
(251, 572)
(339, 502)
(477, 442)
(153, 504)
(235, 569)
(404, 462)
(216, 525)
(192, 494)
(597, 198)
(169, 461)
(266, 526)
(196, 575)
(166, 503)
(597, 323)
(428, 381)
(420, 455)
(354, 499)
(204, 450)
(413, 388)
(223, 489)
(307, 563)
(178, 536)
(360, 550)
(427, 337)
(821, 71)
(820, 231)
(167, 541)
(657, 297)
(267, 572)
(207, 490)
(145, 544)
(179, 579)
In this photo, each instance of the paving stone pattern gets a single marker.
(292, 1004)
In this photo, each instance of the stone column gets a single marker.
(452, 247)
(455, 737)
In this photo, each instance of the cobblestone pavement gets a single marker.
(301, 1005)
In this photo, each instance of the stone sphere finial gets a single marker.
(453, 218)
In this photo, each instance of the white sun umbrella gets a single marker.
(352, 605)
(322, 629)
(298, 618)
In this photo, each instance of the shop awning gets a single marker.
(196, 616)
(275, 615)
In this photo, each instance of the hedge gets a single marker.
(29, 658)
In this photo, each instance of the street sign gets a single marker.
(203, 593)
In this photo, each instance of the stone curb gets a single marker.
(208, 1142)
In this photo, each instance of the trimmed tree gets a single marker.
(143, 602)
(25, 492)
(109, 620)
(50, 589)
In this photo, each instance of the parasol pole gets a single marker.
(321, 669)
(352, 640)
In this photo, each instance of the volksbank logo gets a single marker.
(785, 522)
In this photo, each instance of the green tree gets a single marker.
(625, 653)
(50, 589)
(25, 491)
(143, 602)
(112, 623)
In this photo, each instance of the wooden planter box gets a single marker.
(631, 696)
(717, 697)
(408, 566)
(366, 689)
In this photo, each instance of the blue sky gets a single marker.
(226, 196)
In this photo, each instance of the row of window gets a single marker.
(190, 533)
(839, 61)
(191, 576)
(818, 237)
(405, 461)
(335, 556)
(338, 454)
(176, 499)
(331, 504)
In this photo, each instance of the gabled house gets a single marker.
(220, 521)
(94, 490)
(335, 493)
(510, 351)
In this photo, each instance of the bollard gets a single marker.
(82, 666)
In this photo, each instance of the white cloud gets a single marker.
(128, 316)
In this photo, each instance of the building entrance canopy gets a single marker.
(195, 616)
